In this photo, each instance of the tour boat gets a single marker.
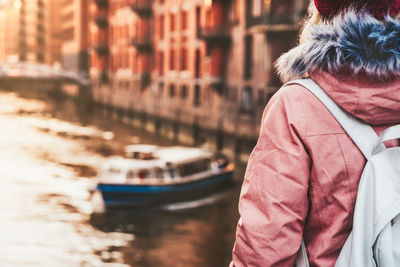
(150, 175)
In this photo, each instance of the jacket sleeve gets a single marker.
(273, 202)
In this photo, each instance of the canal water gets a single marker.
(50, 152)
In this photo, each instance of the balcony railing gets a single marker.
(142, 7)
(219, 34)
(101, 3)
(101, 49)
(101, 21)
(142, 43)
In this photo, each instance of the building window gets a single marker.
(248, 57)
(172, 59)
(184, 59)
(197, 64)
(161, 25)
(172, 22)
(161, 63)
(247, 105)
(184, 91)
(40, 57)
(198, 25)
(184, 20)
(171, 90)
(196, 99)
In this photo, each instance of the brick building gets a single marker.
(29, 31)
(32, 31)
(53, 32)
(192, 70)
(73, 32)
(22, 30)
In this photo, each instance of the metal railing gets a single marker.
(214, 33)
(142, 43)
(142, 7)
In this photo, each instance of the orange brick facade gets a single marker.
(189, 65)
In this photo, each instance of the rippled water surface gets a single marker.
(50, 152)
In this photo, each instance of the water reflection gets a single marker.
(197, 237)
(49, 154)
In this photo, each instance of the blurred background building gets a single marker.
(10, 30)
(190, 70)
(200, 68)
(53, 32)
(74, 37)
(24, 29)
(31, 36)
(29, 31)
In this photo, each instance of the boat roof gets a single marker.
(143, 148)
(125, 164)
(174, 155)
(178, 154)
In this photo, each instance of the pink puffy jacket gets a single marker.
(302, 177)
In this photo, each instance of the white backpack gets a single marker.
(375, 238)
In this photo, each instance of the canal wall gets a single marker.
(46, 87)
(234, 146)
(27, 85)
(209, 117)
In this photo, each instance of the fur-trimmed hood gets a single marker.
(353, 42)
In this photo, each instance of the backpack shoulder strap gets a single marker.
(360, 132)
(301, 258)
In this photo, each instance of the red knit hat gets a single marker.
(379, 8)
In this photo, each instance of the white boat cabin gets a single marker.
(150, 164)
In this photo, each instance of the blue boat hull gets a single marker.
(141, 196)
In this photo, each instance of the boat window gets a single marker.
(170, 169)
(114, 170)
(130, 174)
(141, 155)
(158, 173)
(143, 173)
(194, 167)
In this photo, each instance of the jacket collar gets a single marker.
(354, 43)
